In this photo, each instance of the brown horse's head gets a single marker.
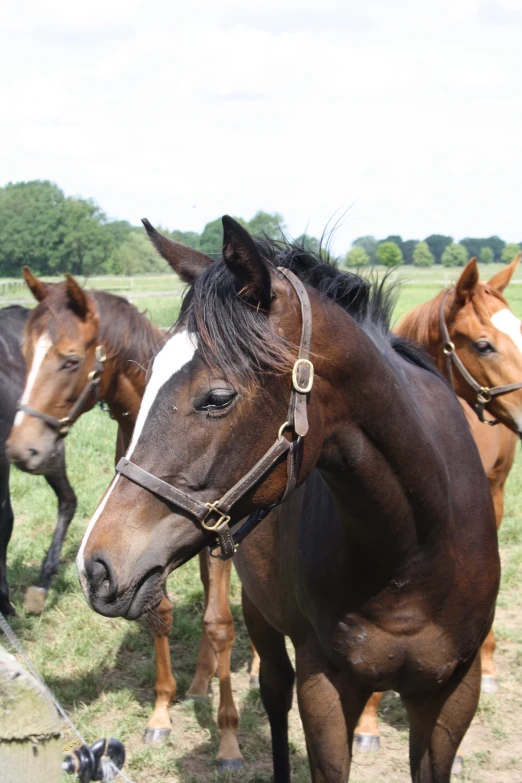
(59, 350)
(487, 337)
(217, 396)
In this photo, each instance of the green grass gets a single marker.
(103, 669)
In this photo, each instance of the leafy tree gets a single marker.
(422, 255)
(454, 255)
(474, 245)
(189, 238)
(266, 224)
(388, 254)
(357, 256)
(486, 255)
(136, 256)
(369, 245)
(31, 226)
(119, 231)
(437, 243)
(407, 249)
(509, 252)
(87, 244)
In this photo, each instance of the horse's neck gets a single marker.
(123, 384)
(379, 456)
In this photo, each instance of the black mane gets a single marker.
(234, 336)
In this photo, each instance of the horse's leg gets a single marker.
(206, 663)
(58, 481)
(329, 708)
(6, 528)
(159, 724)
(438, 725)
(367, 735)
(276, 684)
(254, 668)
(487, 651)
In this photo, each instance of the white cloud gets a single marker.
(181, 112)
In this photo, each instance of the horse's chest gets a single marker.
(382, 659)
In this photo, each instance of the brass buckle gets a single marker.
(448, 348)
(484, 395)
(295, 380)
(223, 519)
(100, 356)
(63, 426)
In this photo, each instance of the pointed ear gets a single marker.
(246, 263)
(468, 281)
(188, 263)
(78, 298)
(502, 278)
(38, 288)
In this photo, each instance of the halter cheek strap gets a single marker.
(214, 517)
(62, 426)
(484, 393)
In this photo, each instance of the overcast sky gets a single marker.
(405, 113)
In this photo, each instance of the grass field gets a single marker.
(103, 669)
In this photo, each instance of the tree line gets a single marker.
(53, 233)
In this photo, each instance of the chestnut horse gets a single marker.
(80, 347)
(488, 341)
(382, 566)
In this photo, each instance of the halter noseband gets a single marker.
(484, 393)
(215, 516)
(62, 426)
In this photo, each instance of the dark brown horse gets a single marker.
(382, 567)
(82, 347)
(12, 376)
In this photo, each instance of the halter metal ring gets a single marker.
(448, 348)
(295, 380)
(223, 519)
(63, 426)
(282, 428)
(101, 354)
(484, 395)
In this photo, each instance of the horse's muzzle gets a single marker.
(105, 597)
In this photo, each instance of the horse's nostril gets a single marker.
(101, 578)
(33, 452)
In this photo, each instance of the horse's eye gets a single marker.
(217, 399)
(71, 363)
(483, 347)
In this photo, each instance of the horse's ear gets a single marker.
(246, 263)
(502, 278)
(468, 281)
(188, 263)
(38, 288)
(77, 297)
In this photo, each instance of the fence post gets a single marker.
(30, 742)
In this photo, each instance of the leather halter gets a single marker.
(484, 393)
(62, 426)
(215, 516)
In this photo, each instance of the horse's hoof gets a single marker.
(367, 743)
(254, 683)
(489, 684)
(223, 765)
(34, 599)
(458, 765)
(152, 736)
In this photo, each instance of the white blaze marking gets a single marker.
(43, 344)
(174, 355)
(508, 323)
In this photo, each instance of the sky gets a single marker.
(388, 117)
